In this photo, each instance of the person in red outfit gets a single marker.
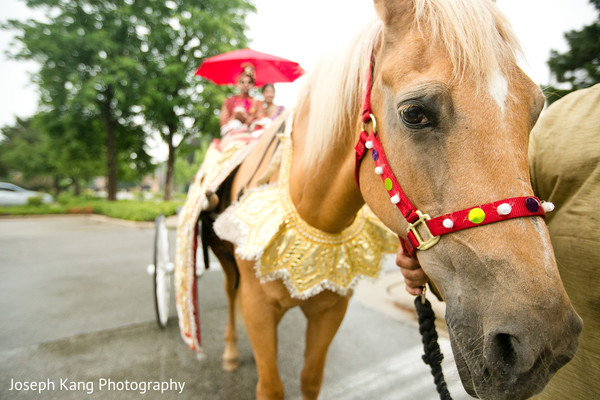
(240, 111)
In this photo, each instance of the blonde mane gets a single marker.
(335, 88)
(479, 40)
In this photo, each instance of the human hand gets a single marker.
(414, 276)
(239, 113)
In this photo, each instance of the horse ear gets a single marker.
(389, 10)
(380, 8)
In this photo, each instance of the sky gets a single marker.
(304, 30)
(307, 31)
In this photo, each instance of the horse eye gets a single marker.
(414, 116)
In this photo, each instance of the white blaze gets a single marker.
(498, 87)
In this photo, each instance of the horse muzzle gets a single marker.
(515, 359)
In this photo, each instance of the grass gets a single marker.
(132, 210)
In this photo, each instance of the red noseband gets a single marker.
(424, 231)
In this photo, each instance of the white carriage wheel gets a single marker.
(162, 271)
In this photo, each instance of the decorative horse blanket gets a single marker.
(265, 227)
(221, 159)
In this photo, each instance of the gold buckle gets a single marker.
(423, 244)
(364, 125)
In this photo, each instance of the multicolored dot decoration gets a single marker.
(515, 207)
(476, 215)
(532, 204)
(547, 206)
(388, 184)
(504, 209)
(375, 154)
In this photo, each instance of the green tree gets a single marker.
(579, 67)
(75, 146)
(90, 71)
(110, 61)
(47, 146)
(24, 151)
(176, 36)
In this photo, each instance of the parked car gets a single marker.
(13, 195)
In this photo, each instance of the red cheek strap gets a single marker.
(424, 231)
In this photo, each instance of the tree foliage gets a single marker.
(75, 147)
(114, 71)
(579, 67)
(24, 151)
(176, 36)
(44, 148)
(89, 71)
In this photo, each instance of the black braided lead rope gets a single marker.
(433, 355)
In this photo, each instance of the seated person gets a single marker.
(272, 111)
(240, 111)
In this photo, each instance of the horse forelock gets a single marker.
(478, 37)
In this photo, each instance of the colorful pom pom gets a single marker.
(476, 215)
(547, 206)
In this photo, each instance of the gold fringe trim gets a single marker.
(266, 228)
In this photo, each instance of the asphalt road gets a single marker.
(77, 321)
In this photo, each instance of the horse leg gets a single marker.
(231, 356)
(323, 323)
(224, 253)
(262, 315)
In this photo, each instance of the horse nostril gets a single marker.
(505, 348)
(502, 354)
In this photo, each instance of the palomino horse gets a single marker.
(452, 112)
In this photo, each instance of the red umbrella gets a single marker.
(225, 68)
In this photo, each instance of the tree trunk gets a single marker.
(56, 182)
(170, 166)
(111, 148)
(111, 161)
(76, 187)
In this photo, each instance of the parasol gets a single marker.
(225, 68)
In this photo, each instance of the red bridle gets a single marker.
(514, 207)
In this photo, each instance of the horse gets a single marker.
(432, 92)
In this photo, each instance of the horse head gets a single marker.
(453, 113)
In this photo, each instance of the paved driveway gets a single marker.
(77, 316)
